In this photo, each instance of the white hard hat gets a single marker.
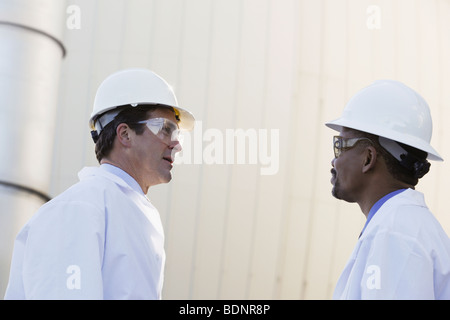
(390, 109)
(136, 87)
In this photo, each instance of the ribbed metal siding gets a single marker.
(263, 64)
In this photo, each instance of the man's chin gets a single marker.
(163, 178)
(335, 194)
(166, 177)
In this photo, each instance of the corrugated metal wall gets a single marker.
(288, 65)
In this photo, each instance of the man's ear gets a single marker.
(123, 134)
(370, 159)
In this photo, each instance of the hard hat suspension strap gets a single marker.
(94, 135)
(101, 123)
(419, 167)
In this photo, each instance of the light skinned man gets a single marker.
(102, 238)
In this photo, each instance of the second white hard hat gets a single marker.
(136, 87)
(392, 110)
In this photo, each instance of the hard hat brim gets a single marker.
(186, 118)
(407, 139)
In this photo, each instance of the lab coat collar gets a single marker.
(378, 205)
(114, 174)
(406, 197)
(123, 175)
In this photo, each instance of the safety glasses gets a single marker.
(164, 129)
(340, 143)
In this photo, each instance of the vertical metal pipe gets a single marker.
(30, 60)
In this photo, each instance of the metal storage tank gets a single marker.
(31, 54)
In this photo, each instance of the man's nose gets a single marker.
(332, 162)
(175, 145)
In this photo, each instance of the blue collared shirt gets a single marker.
(378, 205)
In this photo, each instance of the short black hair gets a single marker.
(129, 115)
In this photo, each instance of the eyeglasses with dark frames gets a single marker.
(341, 143)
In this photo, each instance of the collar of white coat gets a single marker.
(407, 197)
(113, 173)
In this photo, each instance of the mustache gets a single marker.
(333, 172)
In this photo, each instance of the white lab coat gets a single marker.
(100, 239)
(403, 254)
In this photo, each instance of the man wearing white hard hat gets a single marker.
(381, 152)
(102, 238)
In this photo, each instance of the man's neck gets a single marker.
(375, 193)
(128, 169)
